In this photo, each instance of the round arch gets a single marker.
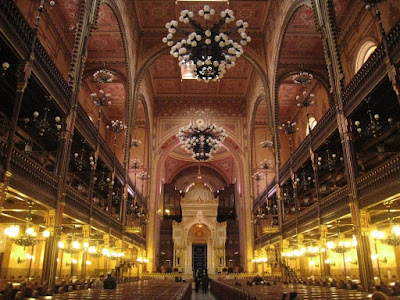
(289, 15)
(363, 53)
(259, 100)
(182, 169)
(244, 182)
(277, 78)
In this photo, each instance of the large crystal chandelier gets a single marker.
(342, 246)
(28, 237)
(71, 247)
(202, 140)
(393, 237)
(206, 51)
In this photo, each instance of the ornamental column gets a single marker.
(49, 246)
(106, 239)
(300, 245)
(86, 244)
(363, 243)
(322, 253)
(325, 20)
(86, 12)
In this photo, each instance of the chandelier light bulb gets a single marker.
(76, 245)
(30, 231)
(12, 231)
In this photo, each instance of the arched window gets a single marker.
(312, 123)
(364, 53)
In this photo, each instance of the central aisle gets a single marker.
(201, 296)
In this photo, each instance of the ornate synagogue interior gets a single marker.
(265, 143)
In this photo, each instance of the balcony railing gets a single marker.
(90, 133)
(332, 201)
(375, 62)
(12, 16)
(27, 175)
(77, 205)
(387, 173)
(32, 174)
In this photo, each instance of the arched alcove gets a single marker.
(301, 51)
(363, 54)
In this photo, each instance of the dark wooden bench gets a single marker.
(228, 289)
(140, 290)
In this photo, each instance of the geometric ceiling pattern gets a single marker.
(176, 97)
(301, 48)
(301, 43)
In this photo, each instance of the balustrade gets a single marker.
(385, 174)
(11, 15)
(30, 173)
(366, 73)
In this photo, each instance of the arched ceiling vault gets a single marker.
(209, 175)
(170, 98)
(301, 50)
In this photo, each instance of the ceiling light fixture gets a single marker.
(202, 140)
(103, 75)
(28, 237)
(206, 51)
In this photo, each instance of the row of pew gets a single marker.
(152, 289)
(240, 290)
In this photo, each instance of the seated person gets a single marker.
(257, 280)
(396, 289)
(110, 283)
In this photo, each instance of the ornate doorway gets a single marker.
(199, 257)
(199, 239)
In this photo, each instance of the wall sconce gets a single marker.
(20, 261)
(27, 257)
(329, 262)
(382, 260)
(353, 262)
(142, 260)
(73, 261)
(260, 260)
(314, 264)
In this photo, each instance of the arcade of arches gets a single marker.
(90, 160)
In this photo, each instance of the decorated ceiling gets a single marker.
(174, 99)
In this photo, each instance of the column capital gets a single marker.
(106, 239)
(365, 219)
(300, 238)
(50, 218)
(86, 231)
